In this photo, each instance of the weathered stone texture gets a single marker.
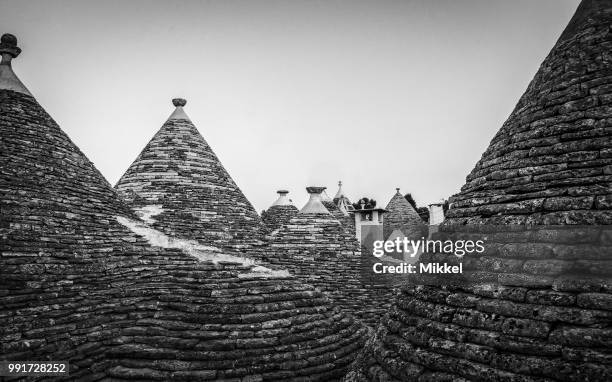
(178, 173)
(538, 307)
(276, 216)
(400, 215)
(347, 221)
(317, 249)
(549, 163)
(77, 285)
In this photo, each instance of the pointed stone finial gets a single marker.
(340, 192)
(179, 102)
(8, 51)
(397, 190)
(179, 113)
(282, 200)
(314, 205)
(8, 48)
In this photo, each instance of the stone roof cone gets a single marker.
(280, 212)
(179, 177)
(401, 215)
(316, 248)
(343, 204)
(537, 304)
(328, 202)
(84, 281)
(340, 192)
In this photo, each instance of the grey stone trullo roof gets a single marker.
(537, 304)
(280, 212)
(340, 192)
(178, 176)
(401, 215)
(82, 280)
(8, 51)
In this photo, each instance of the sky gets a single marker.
(293, 93)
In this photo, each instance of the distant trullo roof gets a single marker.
(401, 215)
(83, 281)
(179, 177)
(537, 303)
(280, 212)
(344, 205)
(343, 217)
(315, 247)
(340, 192)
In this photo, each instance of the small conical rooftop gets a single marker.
(340, 192)
(402, 216)
(84, 281)
(536, 304)
(179, 176)
(280, 212)
(342, 201)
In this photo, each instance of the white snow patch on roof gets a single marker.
(259, 271)
(197, 250)
(146, 213)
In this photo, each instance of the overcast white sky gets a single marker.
(379, 94)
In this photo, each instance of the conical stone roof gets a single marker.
(179, 185)
(82, 280)
(402, 216)
(316, 248)
(340, 192)
(280, 212)
(347, 219)
(539, 306)
(342, 201)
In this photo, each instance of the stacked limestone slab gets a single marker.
(82, 280)
(179, 185)
(402, 216)
(316, 248)
(537, 304)
(280, 212)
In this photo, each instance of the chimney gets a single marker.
(315, 204)
(282, 200)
